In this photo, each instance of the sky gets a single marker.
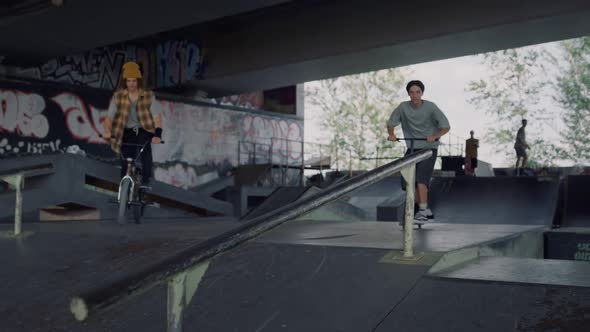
(445, 84)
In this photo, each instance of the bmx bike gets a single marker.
(131, 193)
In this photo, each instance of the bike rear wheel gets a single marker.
(136, 213)
(123, 200)
(139, 207)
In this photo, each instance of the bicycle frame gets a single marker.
(131, 169)
(130, 175)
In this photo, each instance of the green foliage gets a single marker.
(355, 109)
(573, 95)
(512, 92)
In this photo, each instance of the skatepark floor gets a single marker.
(305, 275)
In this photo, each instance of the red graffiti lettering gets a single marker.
(82, 126)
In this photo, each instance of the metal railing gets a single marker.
(451, 145)
(184, 270)
(284, 156)
(278, 155)
(270, 150)
(17, 180)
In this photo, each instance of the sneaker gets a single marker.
(421, 217)
(427, 211)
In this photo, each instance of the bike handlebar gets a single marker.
(133, 144)
(141, 145)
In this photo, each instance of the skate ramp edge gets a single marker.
(64, 180)
(338, 210)
(279, 197)
(577, 209)
(527, 244)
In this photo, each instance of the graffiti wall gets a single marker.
(201, 141)
(164, 64)
(281, 100)
(38, 121)
(221, 139)
(254, 100)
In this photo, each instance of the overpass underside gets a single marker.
(271, 44)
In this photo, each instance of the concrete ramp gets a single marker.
(337, 210)
(251, 174)
(279, 197)
(494, 200)
(371, 198)
(480, 299)
(71, 180)
(523, 270)
(577, 201)
(213, 186)
(392, 209)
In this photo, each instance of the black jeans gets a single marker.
(137, 137)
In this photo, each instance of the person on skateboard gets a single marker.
(520, 147)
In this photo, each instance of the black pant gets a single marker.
(424, 168)
(137, 137)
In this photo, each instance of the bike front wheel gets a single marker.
(123, 200)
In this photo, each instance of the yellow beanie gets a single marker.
(131, 70)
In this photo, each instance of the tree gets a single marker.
(354, 110)
(512, 92)
(573, 95)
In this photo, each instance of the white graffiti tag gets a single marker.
(284, 136)
(21, 114)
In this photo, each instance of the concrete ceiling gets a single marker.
(305, 41)
(80, 25)
(263, 44)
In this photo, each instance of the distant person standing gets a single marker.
(520, 147)
(471, 146)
